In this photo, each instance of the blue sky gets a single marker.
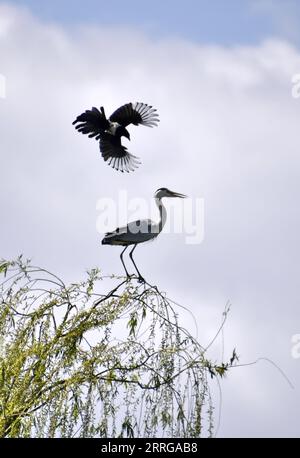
(227, 22)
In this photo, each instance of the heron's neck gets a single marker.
(162, 214)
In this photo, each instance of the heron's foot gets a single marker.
(141, 279)
(129, 277)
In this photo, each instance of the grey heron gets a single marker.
(140, 231)
(110, 131)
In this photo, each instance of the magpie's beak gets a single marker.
(177, 194)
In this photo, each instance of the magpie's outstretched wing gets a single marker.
(135, 113)
(92, 122)
(116, 155)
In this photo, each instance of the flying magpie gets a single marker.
(110, 131)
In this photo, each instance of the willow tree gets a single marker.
(78, 363)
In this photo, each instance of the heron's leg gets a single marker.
(121, 256)
(130, 255)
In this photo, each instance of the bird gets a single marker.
(110, 131)
(140, 231)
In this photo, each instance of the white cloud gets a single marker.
(229, 132)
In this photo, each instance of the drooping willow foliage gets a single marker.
(75, 362)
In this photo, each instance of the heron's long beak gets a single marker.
(177, 194)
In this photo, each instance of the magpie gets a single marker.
(110, 131)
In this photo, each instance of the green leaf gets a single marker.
(221, 370)
(234, 357)
(132, 324)
(4, 265)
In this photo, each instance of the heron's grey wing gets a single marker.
(116, 155)
(92, 122)
(116, 237)
(135, 113)
(135, 232)
(145, 227)
(119, 230)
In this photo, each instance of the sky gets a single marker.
(220, 79)
(228, 23)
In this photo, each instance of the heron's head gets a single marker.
(124, 132)
(164, 192)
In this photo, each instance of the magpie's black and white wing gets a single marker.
(92, 122)
(135, 113)
(116, 155)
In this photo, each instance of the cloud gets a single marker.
(229, 133)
